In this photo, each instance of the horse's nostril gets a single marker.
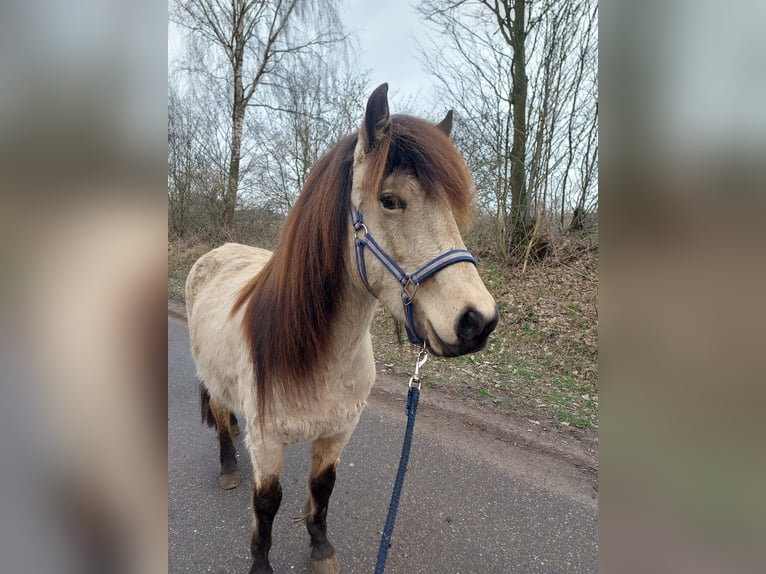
(470, 325)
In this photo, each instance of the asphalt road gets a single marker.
(471, 503)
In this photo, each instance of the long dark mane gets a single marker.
(292, 303)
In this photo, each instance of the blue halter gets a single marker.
(406, 281)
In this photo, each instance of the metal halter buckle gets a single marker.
(422, 359)
(410, 298)
(360, 227)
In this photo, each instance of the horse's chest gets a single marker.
(323, 419)
(337, 410)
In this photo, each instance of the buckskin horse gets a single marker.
(283, 338)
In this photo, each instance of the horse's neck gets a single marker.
(353, 319)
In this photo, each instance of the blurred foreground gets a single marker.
(682, 316)
(83, 434)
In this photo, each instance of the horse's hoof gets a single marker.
(229, 481)
(327, 566)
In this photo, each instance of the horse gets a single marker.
(283, 338)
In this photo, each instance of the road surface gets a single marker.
(471, 503)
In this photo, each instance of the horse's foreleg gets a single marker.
(325, 453)
(267, 496)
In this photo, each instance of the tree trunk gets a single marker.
(232, 182)
(519, 200)
(239, 105)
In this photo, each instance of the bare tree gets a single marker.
(589, 172)
(181, 160)
(511, 21)
(477, 88)
(522, 77)
(253, 38)
(317, 105)
(195, 179)
(582, 121)
(559, 113)
(487, 79)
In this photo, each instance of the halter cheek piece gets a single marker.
(409, 283)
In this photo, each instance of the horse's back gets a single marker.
(217, 342)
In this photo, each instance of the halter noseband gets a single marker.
(406, 281)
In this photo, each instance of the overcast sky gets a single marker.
(386, 34)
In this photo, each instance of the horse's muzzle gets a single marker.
(472, 329)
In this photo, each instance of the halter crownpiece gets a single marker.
(411, 281)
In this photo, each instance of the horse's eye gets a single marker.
(390, 202)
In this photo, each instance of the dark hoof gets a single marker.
(261, 569)
(327, 566)
(229, 481)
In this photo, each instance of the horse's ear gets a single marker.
(376, 118)
(446, 124)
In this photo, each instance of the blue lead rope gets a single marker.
(385, 542)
